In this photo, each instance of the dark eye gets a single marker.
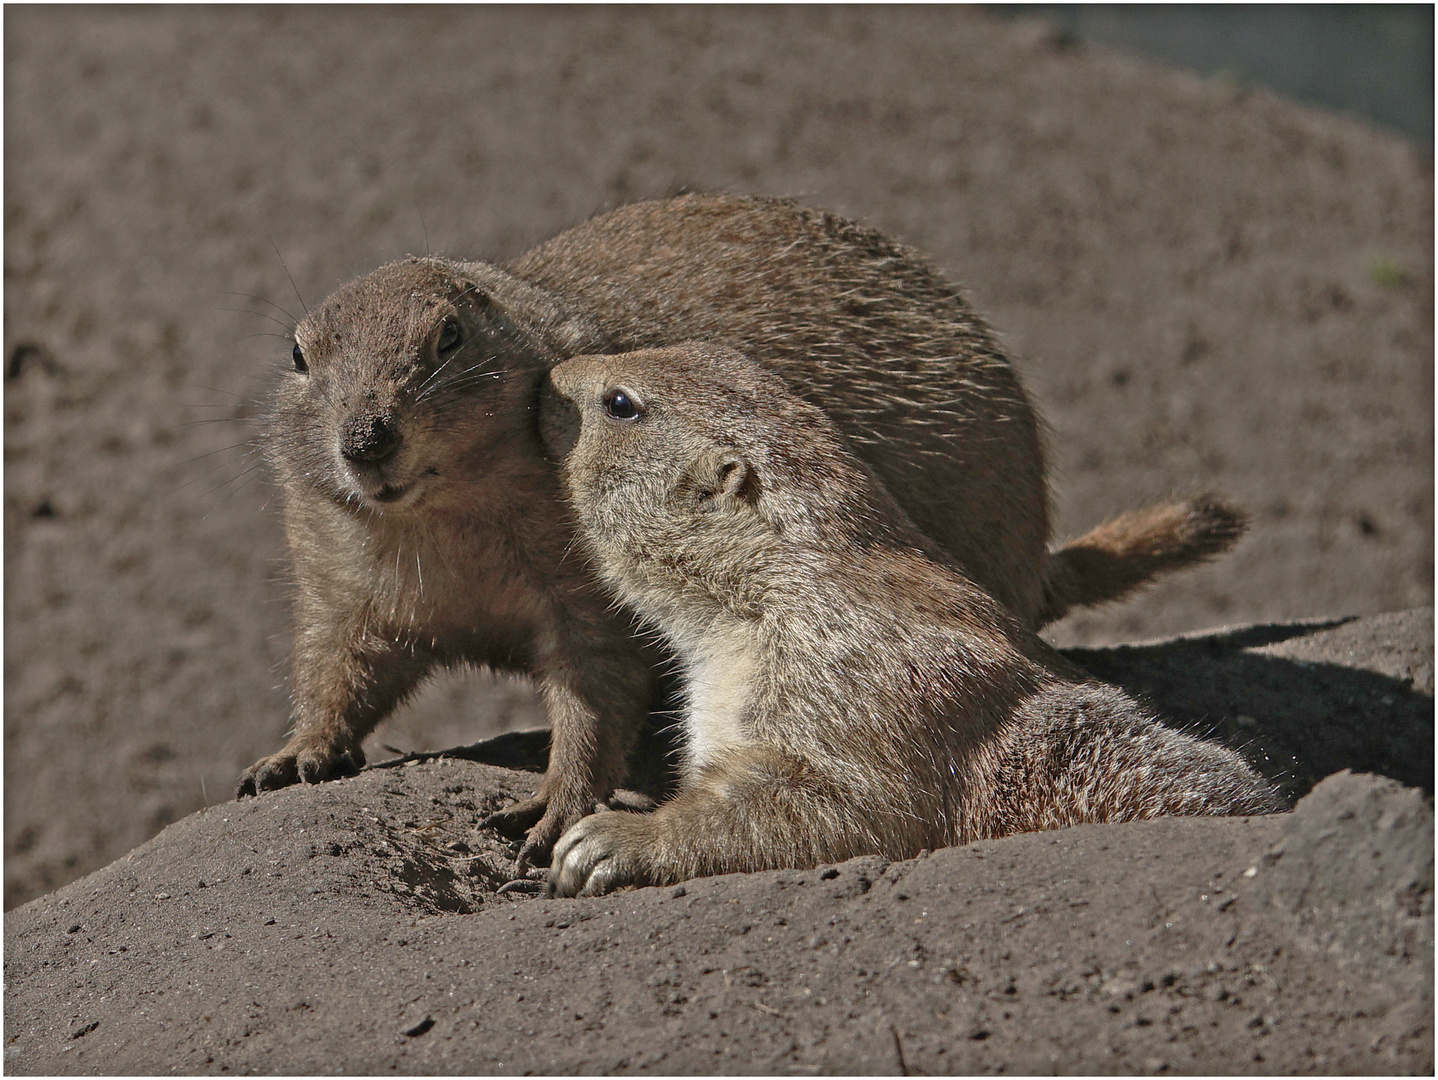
(299, 356)
(621, 406)
(450, 337)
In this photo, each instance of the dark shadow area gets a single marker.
(1251, 637)
(525, 750)
(651, 763)
(1297, 721)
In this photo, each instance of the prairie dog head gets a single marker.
(692, 468)
(414, 382)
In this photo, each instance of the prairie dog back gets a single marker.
(855, 323)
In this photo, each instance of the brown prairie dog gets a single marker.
(846, 694)
(427, 528)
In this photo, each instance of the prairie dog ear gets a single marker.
(722, 476)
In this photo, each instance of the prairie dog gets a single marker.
(426, 527)
(846, 694)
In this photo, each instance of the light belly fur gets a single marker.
(720, 682)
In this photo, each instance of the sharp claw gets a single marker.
(521, 885)
(309, 767)
(499, 821)
(531, 854)
(523, 863)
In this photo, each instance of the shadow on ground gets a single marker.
(1293, 696)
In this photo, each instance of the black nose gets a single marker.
(370, 437)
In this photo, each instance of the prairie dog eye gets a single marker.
(450, 337)
(619, 405)
(299, 358)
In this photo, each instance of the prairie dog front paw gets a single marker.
(601, 853)
(309, 761)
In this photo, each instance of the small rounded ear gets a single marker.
(721, 476)
(736, 479)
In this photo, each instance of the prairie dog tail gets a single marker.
(1128, 551)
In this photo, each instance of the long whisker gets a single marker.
(217, 468)
(470, 376)
(237, 481)
(420, 390)
(301, 299)
(213, 419)
(243, 476)
(221, 450)
(262, 300)
(464, 382)
(288, 327)
(460, 382)
(227, 393)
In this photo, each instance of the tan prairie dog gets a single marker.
(427, 528)
(845, 694)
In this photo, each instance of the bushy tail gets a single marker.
(1123, 554)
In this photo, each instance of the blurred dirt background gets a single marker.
(1204, 286)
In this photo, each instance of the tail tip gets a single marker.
(1212, 526)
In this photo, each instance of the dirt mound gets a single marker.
(359, 926)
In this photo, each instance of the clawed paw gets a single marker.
(293, 765)
(602, 853)
(518, 818)
(540, 824)
(542, 820)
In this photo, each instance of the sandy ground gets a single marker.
(1204, 288)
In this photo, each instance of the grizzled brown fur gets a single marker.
(845, 694)
(427, 528)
